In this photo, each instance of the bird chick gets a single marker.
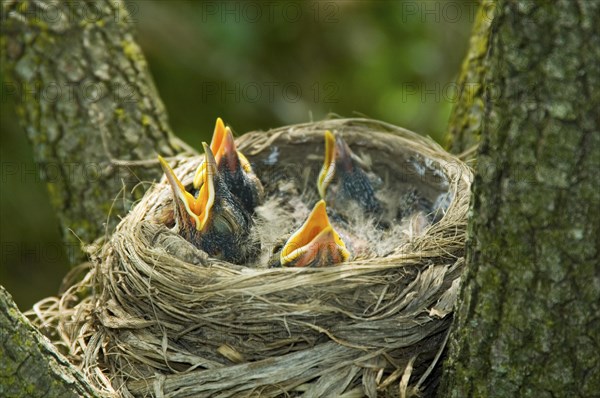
(342, 180)
(234, 168)
(314, 244)
(212, 218)
(238, 174)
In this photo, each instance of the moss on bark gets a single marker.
(464, 128)
(29, 365)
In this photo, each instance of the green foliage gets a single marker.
(264, 66)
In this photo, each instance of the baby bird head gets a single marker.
(234, 168)
(315, 243)
(352, 183)
(211, 217)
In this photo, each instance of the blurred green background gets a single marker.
(257, 65)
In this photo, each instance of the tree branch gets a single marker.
(29, 364)
(89, 107)
(464, 128)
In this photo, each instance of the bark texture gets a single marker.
(528, 318)
(464, 128)
(30, 366)
(89, 107)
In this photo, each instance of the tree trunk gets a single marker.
(464, 129)
(30, 366)
(528, 317)
(86, 100)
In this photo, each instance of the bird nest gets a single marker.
(155, 316)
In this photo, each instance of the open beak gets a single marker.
(194, 211)
(228, 151)
(328, 169)
(216, 144)
(315, 244)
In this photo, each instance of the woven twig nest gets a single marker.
(167, 320)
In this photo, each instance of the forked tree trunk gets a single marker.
(528, 318)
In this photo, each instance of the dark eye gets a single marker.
(277, 248)
(223, 224)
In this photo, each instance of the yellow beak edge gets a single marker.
(328, 169)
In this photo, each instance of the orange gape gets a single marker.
(216, 145)
(315, 243)
(196, 208)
